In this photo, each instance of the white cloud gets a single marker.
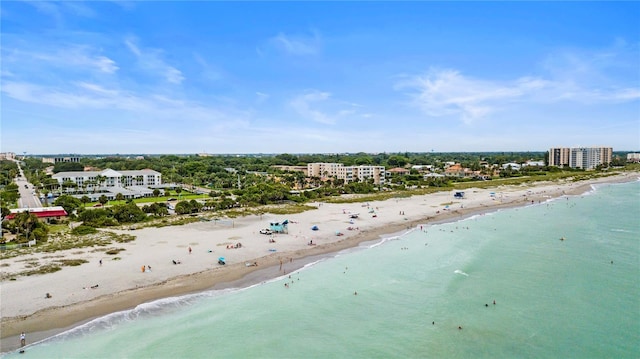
(447, 92)
(208, 71)
(151, 61)
(297, 44)
(261, 97)
(321, 107)
(303, 104)
(87, 97)
(68, 57)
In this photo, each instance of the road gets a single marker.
(28, 196)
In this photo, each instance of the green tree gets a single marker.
(103, 200)
(183, 207)
(128, 213)
(29, 227)
(10, 193)
(156, 192)
(119, 197)
(69, 203)
(85, 200)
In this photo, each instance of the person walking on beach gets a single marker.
(189, 249)
(23, 339)
(100, 262)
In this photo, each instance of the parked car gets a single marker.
(266, 231)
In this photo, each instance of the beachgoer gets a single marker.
(48, 295)
(355, 293)
(149, 268)
(494, 302)
(142, 269)
(459, 328)
(23, 339)
(174, 261)
(189, 249)
(486, 305)
(100, 262)
(433, 323)
(94, 286)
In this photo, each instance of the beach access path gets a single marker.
(105, 285)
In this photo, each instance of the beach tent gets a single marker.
(314, 228)
(278, 227)
(221, 260)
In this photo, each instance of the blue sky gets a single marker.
(319, 77)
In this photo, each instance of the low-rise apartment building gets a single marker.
(110, 178)
(360, 173)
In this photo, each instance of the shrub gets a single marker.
(83, 230)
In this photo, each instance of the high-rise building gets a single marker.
(580, 157)
(559, 157)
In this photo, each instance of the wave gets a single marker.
(621, 230)
(458, 271)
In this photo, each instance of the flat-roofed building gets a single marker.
(55, 160)
(7, 156)
(347, 173)
(110, 180)
(580, 157)
(633, 157)
(559, 156)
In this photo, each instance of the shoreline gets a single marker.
(39, 324)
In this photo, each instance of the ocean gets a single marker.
(423, 294)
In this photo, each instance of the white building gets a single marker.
(347, 173)
(633, 157)
(131, 184)
(514, 166)
(110, 178)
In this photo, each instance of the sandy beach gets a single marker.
(183, 259)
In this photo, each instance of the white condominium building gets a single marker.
(347, 173)
(580, 157)
(111, 178)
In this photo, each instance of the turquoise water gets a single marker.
(576, 298)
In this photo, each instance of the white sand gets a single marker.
(117, 280)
